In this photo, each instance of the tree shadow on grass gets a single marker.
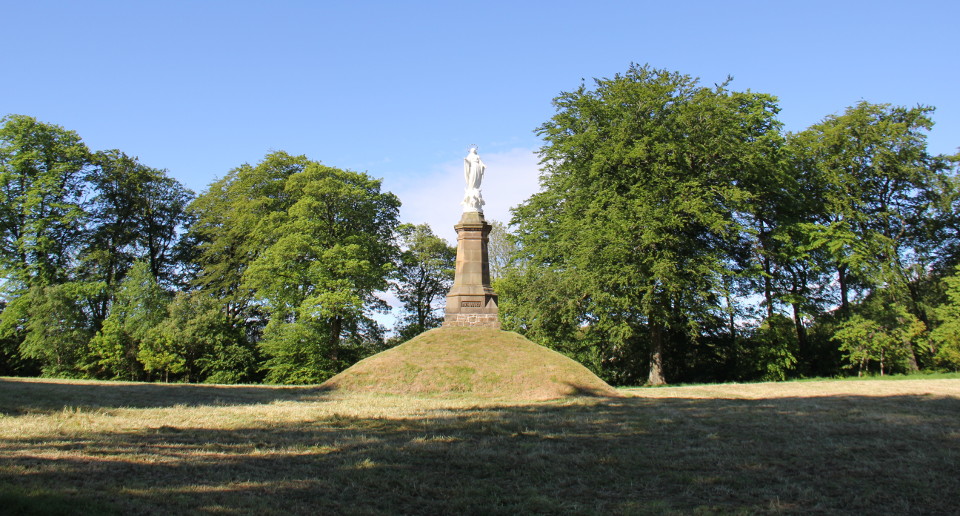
(587, 391)
(839, 454)
(34, 395)
(19, 396)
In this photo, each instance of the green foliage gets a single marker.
(501, 248)
(667, 206)
(71, 226)
(12, 362)
(771, 353)
(639, 200)
(424, 275)
(231, 225)
(873, 185)
(943, 224)
(546, 307)
(54, 325)
(300, 250)
(326, 257)
(135, 214)
(298, 352)
(41, 188)
(885, 335)
(678, 234)
(946, 337)
(139, 305)
(197, 342)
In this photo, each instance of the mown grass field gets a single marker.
(828, 447)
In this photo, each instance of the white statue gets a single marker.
(473, 169)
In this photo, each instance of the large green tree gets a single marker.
(876, 202)
(134, 212)
(41, 190)
(872, 185)
(41, 219)
(230, 229)
(423, 277)
(298, 252)
(327, 257)
(638, 208)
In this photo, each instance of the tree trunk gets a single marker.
(801, 333)
(336, 326)
(767, 287)
(656, 355)
(733, 328)
(731, 310)
(842, 280)
(912, 363)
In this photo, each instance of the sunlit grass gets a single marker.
(812, 447)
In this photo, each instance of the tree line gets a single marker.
(112, 269)
(680, 234)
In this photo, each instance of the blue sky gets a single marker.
(400, 89)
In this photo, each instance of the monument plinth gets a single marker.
(471, 301)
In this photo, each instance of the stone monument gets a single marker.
(471, 301)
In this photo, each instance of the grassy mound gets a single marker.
(473, 362)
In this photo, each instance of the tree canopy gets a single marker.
(680, 234)
(424, 276)
(668, 209)
(641, 188)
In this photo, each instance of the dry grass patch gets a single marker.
(820, 447)
(805, 389)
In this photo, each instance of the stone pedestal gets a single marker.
(471, 301)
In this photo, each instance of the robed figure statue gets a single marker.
(473, 169)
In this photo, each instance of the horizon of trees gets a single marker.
(113, 270)
(680, 235)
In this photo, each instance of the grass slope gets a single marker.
(471, 362)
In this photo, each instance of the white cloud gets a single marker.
(510, 179)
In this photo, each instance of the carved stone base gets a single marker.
(472, 303)
(471, 321)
